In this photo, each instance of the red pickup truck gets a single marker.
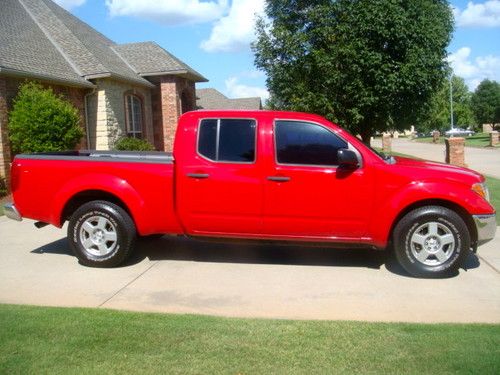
(258, 175)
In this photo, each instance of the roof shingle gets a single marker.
(40, 38)
(212, 99)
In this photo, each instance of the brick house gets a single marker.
(136, 89)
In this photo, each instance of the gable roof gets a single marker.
(39, 38)
(212, 99)
(149, 59)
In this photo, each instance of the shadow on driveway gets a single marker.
(187, 249)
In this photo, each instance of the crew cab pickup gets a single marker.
(263, 175)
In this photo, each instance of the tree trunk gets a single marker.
(366, 135)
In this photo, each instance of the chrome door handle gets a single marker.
(198, 175)
(279, 178)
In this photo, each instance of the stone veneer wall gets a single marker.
(167, 108)
(9, 88)
(106, 111)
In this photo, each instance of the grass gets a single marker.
(477, 140)
(85, 341)
(494, 188)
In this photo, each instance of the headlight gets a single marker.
(482, 190)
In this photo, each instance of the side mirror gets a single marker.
(347, 159)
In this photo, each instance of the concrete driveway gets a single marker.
(185, 276)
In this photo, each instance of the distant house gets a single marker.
(136, 89)
(213, 99)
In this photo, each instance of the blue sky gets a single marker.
(213, 36)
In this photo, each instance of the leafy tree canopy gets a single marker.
(368, 65)
(42, 121)
(436, 115)
(486, 102)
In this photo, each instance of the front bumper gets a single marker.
(11, 212)
(486, 226)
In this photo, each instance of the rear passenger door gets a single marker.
(221, 188)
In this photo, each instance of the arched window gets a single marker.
(134, 115)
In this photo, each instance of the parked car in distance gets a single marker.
(459, 132)
(262, 175)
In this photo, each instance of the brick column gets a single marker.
(4, 138)
(455, 154)
(170, 110)
(386, 143)
(435, 136)
(487, 128)
(493, 138)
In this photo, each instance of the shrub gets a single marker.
(3, 187)
(133, 144)
(43, 121)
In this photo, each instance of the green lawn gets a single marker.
(477, 140)
(89, 341)
(494, 187)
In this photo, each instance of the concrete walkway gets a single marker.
(484, 160)
(184, 276)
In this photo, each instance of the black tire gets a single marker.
(101, 234)
(431, 242)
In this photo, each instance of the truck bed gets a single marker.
(43, 184)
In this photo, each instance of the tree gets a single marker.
(368, 65)
(486, 102)
(436, 115)
(41, 121)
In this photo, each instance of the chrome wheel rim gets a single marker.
(98, 236)
(432, 243)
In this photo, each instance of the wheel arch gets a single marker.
(86, 196)
(462, 212)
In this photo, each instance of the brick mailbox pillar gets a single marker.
(435, 136)
(455, 151)
(493, 138)
(386, 143)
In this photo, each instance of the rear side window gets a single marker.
(227, 140)
(306, 143)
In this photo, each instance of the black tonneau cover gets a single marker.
(114, 156)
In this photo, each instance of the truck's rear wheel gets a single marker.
(101, 234)
(431, 241)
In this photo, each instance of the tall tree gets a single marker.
(486, 102)
(437, 114)
(368, 65)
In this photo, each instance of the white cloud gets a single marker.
(68, 4)
(170, 12)
(235, 31)
(235, 89)
(474, 71)
(485, 14)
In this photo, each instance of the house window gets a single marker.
(133, 107)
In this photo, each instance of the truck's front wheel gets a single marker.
(431, 241)
(101, 234)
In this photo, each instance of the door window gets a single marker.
(227, 140)
(305, 143)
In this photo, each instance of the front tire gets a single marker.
(101, 234)
(431, 241)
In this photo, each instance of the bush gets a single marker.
(42, 121)
(3, 187)
(133, 144)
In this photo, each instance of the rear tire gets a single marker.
(101, 234)
(431, 242)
